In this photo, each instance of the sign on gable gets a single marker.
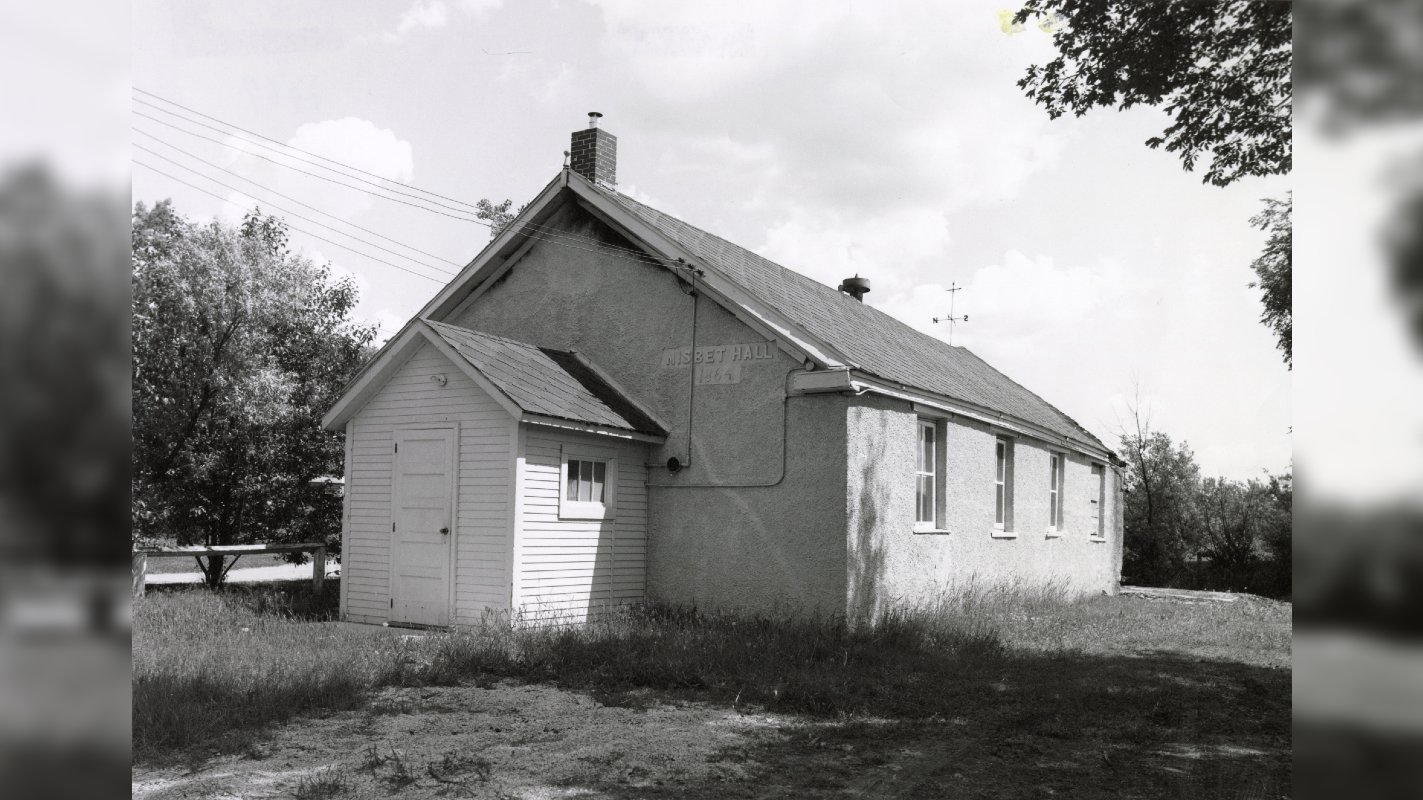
(718, 363)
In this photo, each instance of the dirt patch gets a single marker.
(530, 741)
(506, 740)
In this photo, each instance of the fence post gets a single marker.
(140, 573)
(318, 569)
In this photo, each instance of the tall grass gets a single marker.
(209, 670)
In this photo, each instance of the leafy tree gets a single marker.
(497, 215)
(1219, 68)
(1274, 274)
(1160, 516)
(1279, 494)
(239, 346)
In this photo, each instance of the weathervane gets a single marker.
(953, 291)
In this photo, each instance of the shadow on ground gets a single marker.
(1153, 726)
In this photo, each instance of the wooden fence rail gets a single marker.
(141, 556)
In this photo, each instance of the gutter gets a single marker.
(846, 380)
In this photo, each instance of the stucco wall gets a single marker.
(728, 543)
(890, 562)
(623, 313)
(770, 549)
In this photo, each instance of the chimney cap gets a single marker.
(593, 117)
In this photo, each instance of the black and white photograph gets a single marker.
(623, 399)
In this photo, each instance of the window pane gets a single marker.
(926, 447)
(998, 510)
(600, 478)
(1000, 461)
(1052, 508)
(585, 480)
(571, 491)
(924, 499)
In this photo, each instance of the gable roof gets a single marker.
(872, 340)
(550, 383)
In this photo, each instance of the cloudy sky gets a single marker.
(884, 139)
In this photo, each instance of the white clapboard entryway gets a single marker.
(423, 517)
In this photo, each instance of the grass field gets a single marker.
(997, 693)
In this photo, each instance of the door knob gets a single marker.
(445, 531)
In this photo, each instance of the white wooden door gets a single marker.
(423, 526)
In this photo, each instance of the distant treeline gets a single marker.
(1189, 532)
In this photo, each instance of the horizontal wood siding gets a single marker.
(571, 569)
(483, 524)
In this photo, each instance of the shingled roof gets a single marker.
(873, 341)
(552, 383)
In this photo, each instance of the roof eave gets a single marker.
(589, 427)
(854, 381)
(394, 355)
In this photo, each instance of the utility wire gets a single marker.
(254, 198)
(293, 227)
(266, 188)
(548, 234)
(275, 141)
(521, 232)
(305, 172)
(541, 228)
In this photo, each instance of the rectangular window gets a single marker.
(926, 475)
(586, 481)
(1003, 486)
(1057, 466)
(1099, 487)
(589, 477)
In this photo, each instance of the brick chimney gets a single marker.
(594, 154)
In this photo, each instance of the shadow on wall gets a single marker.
(866, 567)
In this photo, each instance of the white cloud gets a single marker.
(895, 249)
(433, 14)
(359, 143)
(356, 142)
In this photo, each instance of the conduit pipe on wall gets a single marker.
(785, 442)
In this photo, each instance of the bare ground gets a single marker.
(514, 740)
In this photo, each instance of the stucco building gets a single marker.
(608, 404)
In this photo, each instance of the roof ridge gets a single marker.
(890, 327)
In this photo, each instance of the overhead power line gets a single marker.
(256, 199)
(283, 144)
(551, 235)
(269, 189)
(528, 229)
(293, 227)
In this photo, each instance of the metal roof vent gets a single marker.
(856, 287)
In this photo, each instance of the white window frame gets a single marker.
(1057, 485)
(1003, 527)
(1100, 534)
(588, 510)
(931, 524)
